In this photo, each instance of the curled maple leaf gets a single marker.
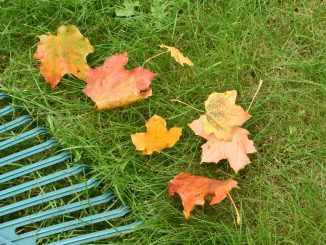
(110, 85)
(194, 189)
(177, 55)
(64, 53)
(223, 115)
(157, 137)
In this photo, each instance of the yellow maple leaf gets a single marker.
(177, 55)
(223, 115)
(157, 137)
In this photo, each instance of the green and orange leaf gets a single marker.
(64, 53)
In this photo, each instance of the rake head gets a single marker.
(32, 193)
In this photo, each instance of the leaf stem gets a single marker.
(259, 86)
(236, 209)
(150, 58)
(175, 100)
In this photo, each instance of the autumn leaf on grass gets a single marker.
(194, 189)
(177, 55)
(111, 85)
(64, 53)
(223, 115)
(157, 137)
(235, 151)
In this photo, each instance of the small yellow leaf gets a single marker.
(157, 137)
(177, 55)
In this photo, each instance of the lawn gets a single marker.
(234, 45)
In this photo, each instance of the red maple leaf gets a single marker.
(110, 85)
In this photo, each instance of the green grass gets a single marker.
(233, 44)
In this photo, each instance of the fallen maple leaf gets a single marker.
(235, 151)
(223, 115)
(194, 189)
(110, 85)
(64, 53)
(157, 136)
(177, 55)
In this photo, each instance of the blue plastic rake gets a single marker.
(8, 235)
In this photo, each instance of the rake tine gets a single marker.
(21, 137)
(3, 96)
(69, 225)
(15, 123)
(15, 190)
(6, 110)
(108, 233)
(27, 152)
(9, 227)
(63, 156)
(30, 202)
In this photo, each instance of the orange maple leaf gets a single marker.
(157, 137)
(177, 55)
(194, 189)
(223, 115)
(235, 151)
(64, 53)
(110, 85)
